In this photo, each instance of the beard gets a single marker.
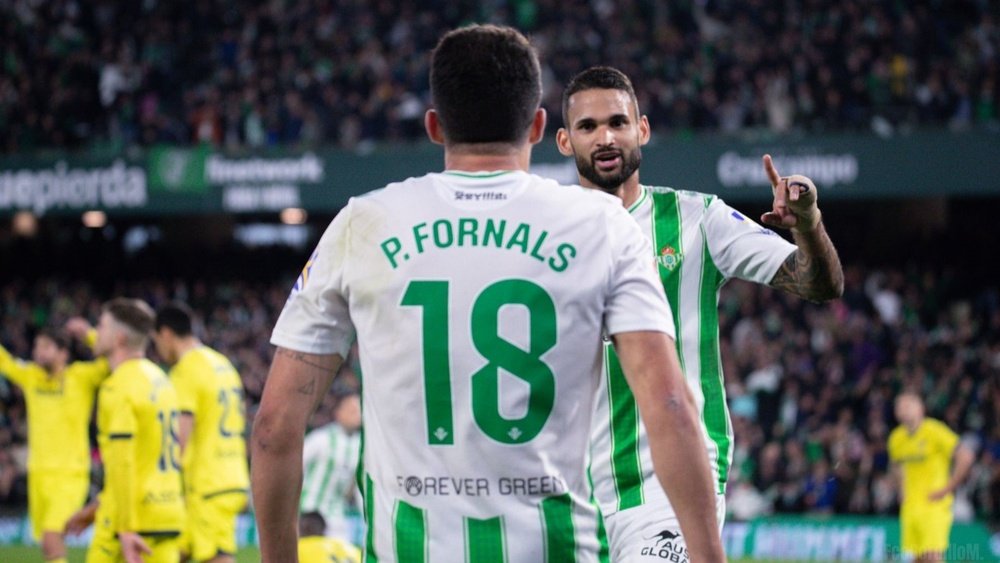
(610, 181)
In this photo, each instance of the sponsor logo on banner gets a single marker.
(62, 187)
(262, 184)
(735, 170)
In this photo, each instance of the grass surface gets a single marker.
(31, 554)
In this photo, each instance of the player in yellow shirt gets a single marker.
(59, 397)
(922, 449)
(314, 547)
(212, 424)
(141, 508)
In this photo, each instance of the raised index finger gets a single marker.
(772, 172)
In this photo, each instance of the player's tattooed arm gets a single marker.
(295, 385)
(813, 271)
(312, 368)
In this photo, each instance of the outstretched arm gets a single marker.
(15, 370)
(813, 271)
(675, 439)
(295, 385)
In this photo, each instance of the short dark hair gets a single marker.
(135, 314)
(177, 317)
(597, 78)
(486, 84)
(58, 337)
(311, 524)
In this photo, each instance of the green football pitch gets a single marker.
(31, 554)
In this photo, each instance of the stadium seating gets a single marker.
(344, 72)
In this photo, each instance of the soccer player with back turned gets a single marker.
(210, 393)
(698, 243)
(479, 297)
(140, 511)
(59, 397)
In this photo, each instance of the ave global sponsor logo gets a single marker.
(667, 545)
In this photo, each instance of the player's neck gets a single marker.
(56, 369)
(912, 427)
(119, 356)
(465, 158)
(629, 191)
(185, 345)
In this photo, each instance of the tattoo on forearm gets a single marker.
(674, 403)
(301, 357)
(308, 388)
(813, 271)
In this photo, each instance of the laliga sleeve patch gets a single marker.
(300, 283)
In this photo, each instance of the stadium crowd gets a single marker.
(253, 73)
(811, 387)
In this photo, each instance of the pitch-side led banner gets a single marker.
(779, 538)
(201, 180)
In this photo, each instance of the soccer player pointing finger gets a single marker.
(698, 243)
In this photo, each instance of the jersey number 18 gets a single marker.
(432, 296)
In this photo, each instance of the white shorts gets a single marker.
(651, 532)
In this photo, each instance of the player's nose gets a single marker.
(607, 136)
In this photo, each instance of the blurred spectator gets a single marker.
(342, 72)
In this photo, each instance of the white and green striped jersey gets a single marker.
(330, 461)
(699, 243)
(479, 302)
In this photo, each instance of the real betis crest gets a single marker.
(669, 258)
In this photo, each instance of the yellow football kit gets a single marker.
(137, 431)
(925, 458)
(59, 408)
(319, 549)
(216, 478)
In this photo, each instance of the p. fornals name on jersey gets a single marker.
(484, 233)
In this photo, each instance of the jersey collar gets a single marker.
(477, 174)
(643, 196)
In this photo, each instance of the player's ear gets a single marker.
(432, 124)
(643, 130)
(537, 126)
(562, 142)
(119, 337)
